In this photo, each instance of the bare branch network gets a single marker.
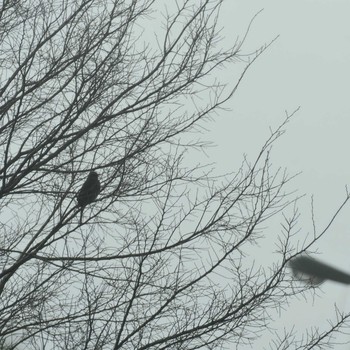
(157, 256)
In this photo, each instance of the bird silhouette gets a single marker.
(88, 192)
(315, 272)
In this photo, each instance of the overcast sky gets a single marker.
(308, 66)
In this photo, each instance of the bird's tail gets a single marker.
(81, 216)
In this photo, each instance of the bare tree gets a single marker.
(160, 259)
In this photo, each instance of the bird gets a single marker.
(315, 272)
(88, 192)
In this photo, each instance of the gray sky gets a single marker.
(308, 66)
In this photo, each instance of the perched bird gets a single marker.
(315, 272)
(88, 192)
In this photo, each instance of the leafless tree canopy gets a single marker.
(161, 258)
